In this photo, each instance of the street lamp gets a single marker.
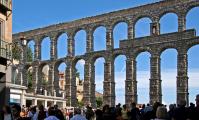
(23, 41)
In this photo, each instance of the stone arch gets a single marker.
(96, 56)
(98, 74)
(193, 72)
(30, 50)
(43, 77)
(74, 31)
(162, 48)
(62, 45)
(190, 7)
(119, 20)
(142, 76)
(79, 76)
(192, 44)
(137, 51)
(118, 53)
(99, 35)
(167, 11)
(168, 73)
(120, 77)
(96, 25)
(120, 32)
(141, 16)
(168, 27)
(80, 41)
(45, 48)
(42, 37)
(192, 19)
(143, 21)
(59, 74)
(76, 59)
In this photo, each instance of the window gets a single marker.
(1, 29)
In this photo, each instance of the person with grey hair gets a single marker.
(161, 113)
(78, 115)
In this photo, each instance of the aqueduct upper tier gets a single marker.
(131, 47)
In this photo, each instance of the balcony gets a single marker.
(5, 50)
(5, 5)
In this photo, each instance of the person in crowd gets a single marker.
(113, 113)
(124, 113)
(6, 113)
(155, 107)
(32, 114)
(23, 112)
(194, 110)
(51, 114)
(99, 114)
(70, 115)
(161, 113)
(78, 115)
(142, 110)
(118, 112)
(107, 113)
(89, 113)
(148, 108)
(135, 113)
(181, 112)
(42, 113)
(16, 109)
(58, 113)
(171, 111)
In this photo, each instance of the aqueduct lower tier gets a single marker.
(155, 44)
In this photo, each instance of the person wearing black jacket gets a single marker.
(135, 113)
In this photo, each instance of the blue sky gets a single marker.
(32, 14)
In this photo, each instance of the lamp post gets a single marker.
(23, 43)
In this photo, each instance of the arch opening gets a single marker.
(143, 76)
(120, 77)
(193, 73)
(192, 19)
(43, 82)
(168, 23)
(61, 75)
(30, 51)
(62, 45)
(120, 32)
(142, 27)
(168, 74)
(79, 77)
(45, 49)
(99, 78)
(80, 42)
(99, 38)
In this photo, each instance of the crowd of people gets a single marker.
(143, 112)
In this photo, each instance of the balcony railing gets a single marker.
(5, 50)
(6, 3)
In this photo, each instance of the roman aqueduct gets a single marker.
(131, 47)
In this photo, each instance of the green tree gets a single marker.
(99, 101)
(80, 104)
(16, 54)
(29, 54)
